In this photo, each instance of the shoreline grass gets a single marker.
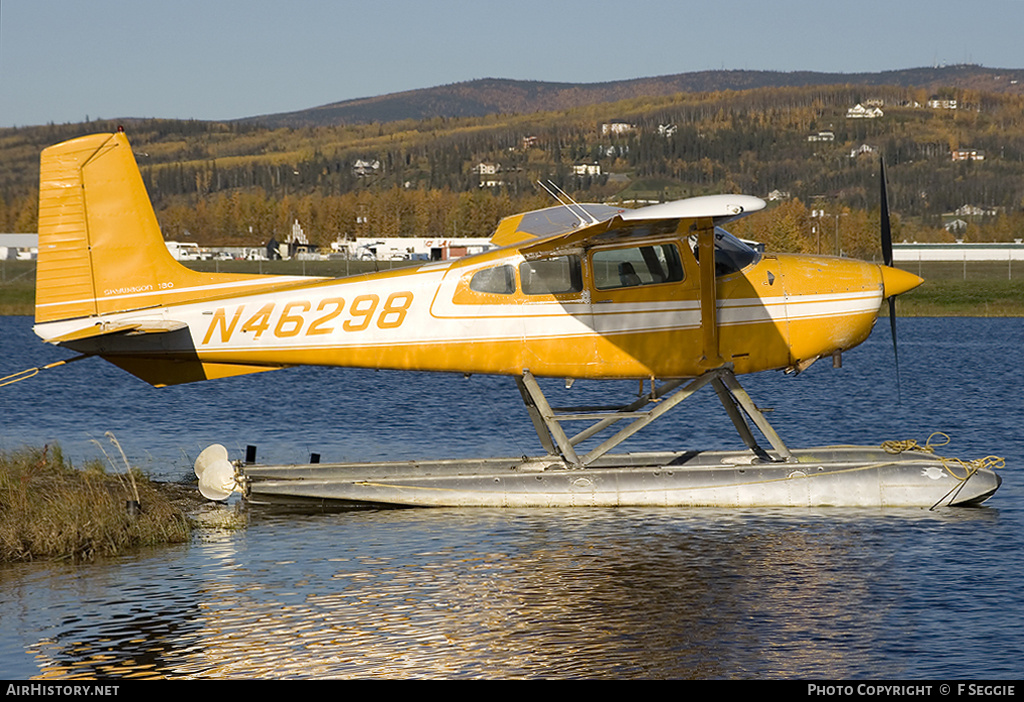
(51, 510)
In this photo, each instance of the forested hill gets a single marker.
(954, 154)
(487, 96)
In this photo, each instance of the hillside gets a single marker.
(488, 96)
(812, 149)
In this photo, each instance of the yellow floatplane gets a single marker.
(660, 294)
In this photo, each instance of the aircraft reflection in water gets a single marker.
(573, 291)
(284, 611)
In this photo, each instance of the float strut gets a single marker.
(547, 420)
(734, 397)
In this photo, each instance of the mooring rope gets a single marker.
(957, 467)
(32, 372)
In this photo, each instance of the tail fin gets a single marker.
(100, 247)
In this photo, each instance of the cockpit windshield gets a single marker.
(731, 254)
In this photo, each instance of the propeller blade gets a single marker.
(895, 351)
(886, 230)
(887, 260)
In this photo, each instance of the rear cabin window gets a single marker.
(500, 280)
(551, 276)
(642, 265)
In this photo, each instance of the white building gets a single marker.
(365, 167)
(409, 248)
(186, 251)
(913, 253)
(968, 155)
(858, 111)
(617, 127)
(22, 247)
(975, 211)
(585, 169)
(487, 168)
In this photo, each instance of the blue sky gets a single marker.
(65, 60)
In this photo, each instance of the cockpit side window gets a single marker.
(500, 280)
(551, 276)
(642, 265)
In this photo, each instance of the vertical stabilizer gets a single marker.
(100, 247)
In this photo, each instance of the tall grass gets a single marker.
(48, 509)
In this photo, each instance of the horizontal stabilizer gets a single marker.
(158, 326)
(161, 372)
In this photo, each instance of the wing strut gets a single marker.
(548, 421)
(708, 294)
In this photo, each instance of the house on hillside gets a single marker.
(822, 136)
(975, 211)
(859, 111)
(617, 127)
(488, 173)
(365, 167)
(968, 155)
(487, 168)
(956, 227)
(585, 169)
(862, 150)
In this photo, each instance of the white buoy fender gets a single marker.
(216, 473)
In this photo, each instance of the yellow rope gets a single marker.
(32, 372)
(21, 375)
(952, 465)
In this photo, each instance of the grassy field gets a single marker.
(974, 289)
(982, 289)
(17, 287)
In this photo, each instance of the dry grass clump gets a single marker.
(48, 509)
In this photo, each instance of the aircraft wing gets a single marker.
(664, 219)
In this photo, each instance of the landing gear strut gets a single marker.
(548, 421)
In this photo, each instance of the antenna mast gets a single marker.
(568, 203)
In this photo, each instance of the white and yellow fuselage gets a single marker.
(561, 304)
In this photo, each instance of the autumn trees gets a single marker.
(242, 184)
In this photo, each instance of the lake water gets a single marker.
(603, 593)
